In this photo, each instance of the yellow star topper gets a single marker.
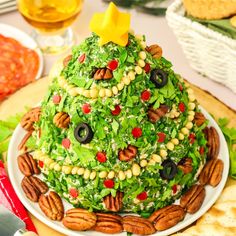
(111, 26)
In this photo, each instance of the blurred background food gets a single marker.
(210, 9)
(51, 20)
(206, 30)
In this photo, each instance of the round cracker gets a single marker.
(228, 194)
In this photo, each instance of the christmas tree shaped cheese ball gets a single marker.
(118, 129)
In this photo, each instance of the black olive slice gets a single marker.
(159, 78)
(83, 133)
(169, 170)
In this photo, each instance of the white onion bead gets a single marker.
(37, 154)
(73, 92)
(143, 163)
(87, 174)
(66, 169)
(176, 113)
(192, 113)
(191, 98)
(80, 171)
(79, 90)
(111, 174)
(128, 174)
(190, 91)
(74, 170)
(121, 175)
(156, 158)
(191, 106)
(184, 131)
(43, 157)
(175, 141)
(108, 92)
(52, 165)
(190, 118)
(143, 44)
(126, 80)
(189, 125)
(151, 162)
(102, 93)
(181, 136)
(115, 90)
(163, 153)
(120, 85)
(94, 93)
(102, 174)
(138, 70)
(143, 156)
(170, 146)
(57, 167)
(131, 75)
(93, 175)
(136, 169)
(136, 201)
(142, 55)
(141, 63)
(48, 161)
(86, 93)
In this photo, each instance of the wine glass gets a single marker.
(51, 20)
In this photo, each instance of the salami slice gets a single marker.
(18, 66)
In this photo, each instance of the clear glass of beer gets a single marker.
(51, 20)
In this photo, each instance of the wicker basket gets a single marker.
(209, 52)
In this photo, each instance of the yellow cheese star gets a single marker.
(111, 26)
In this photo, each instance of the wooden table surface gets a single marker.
(33, 93)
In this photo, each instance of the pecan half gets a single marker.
(67, 60)
(199, 118)
(61, 120)
(33, 187)
(103, 73)
(52, 206)
(212, 172)
(155, 115)
(192, 200)
(213, 142)
(30, 118)
(155, 50)
(108, 223)
(128, 153)
(137, 225)
(114, 204)
(167, 217)
(185, 165)
(27, 165)
(79, 219)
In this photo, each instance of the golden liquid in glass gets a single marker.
(50, 15)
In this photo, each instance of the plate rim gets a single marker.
(20, 35)
(181, 225)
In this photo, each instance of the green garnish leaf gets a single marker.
(230, 136)
(115, 126)
(6, 130)
(123, 56)
(85, 155)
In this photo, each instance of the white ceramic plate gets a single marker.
(16, 176)
(25, 40)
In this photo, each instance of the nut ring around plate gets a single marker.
(87, 136)
(159, 78)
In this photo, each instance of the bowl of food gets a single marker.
(17, 50)
(119, 143)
